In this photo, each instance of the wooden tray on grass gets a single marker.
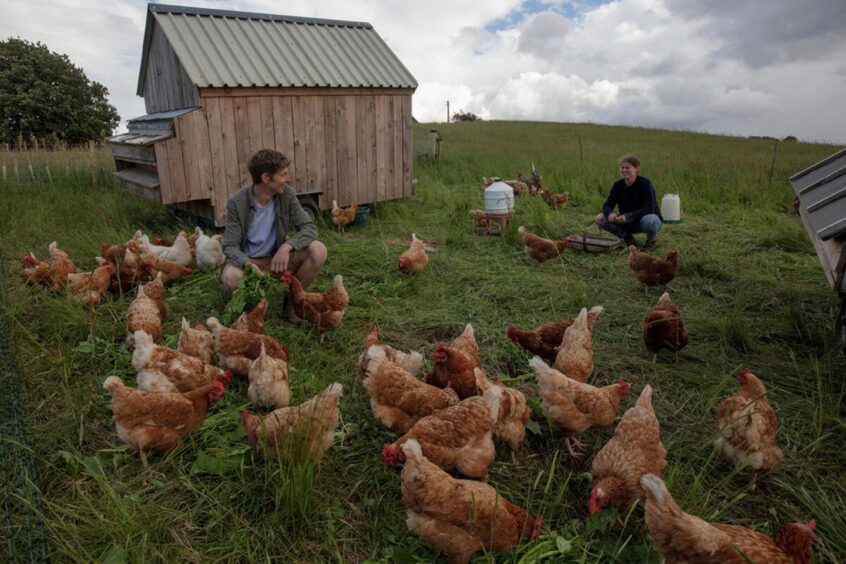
(593, 243)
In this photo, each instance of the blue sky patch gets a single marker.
(571, 9)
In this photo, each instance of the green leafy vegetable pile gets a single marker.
(250, 291)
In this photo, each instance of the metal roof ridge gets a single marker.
(193, 11)
(822, 163)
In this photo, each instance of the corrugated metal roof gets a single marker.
(223, 48)
(822, 192)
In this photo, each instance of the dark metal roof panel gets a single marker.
(822, 192)
(170, 114)
(220, 48)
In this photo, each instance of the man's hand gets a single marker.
(255, 267)
(279, 263)
(612, 217)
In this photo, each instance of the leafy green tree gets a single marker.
(45, 96)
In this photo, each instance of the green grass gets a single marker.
(750, 289)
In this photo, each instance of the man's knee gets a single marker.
(230, 277)
(600, 219)
(317, 253)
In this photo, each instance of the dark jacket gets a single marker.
(288, 212)
(633, 201)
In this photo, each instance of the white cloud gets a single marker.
(552, 97)
(772, 67)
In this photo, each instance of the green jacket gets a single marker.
(288, 212)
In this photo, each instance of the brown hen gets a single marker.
(459, 517)
(397, 398)
(60, 266)
(311, 425)
(238, 349)
(682, 538)
(634, 450)
(147, 311)
(459, 436)
(513, 413)
(196, 341)
(269, 384)
(162, 369)
(653, 271)
(575, 355)
(342, 217)
(409, 361)
(575, 407)
(252, 320)
(544, 340)
(151, 421)
(539, 248)
(325, 309)
(35, 271)
(87, 287)
(663, 328)
(747, 426)
(415, 258)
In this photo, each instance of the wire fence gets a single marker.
(48, 165)
(22, 525)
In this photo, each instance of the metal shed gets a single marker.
(220, 85)
(821, 189)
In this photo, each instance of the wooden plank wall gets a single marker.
(166, 84)
(354, 147)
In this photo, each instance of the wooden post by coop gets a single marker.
(433, 144)
(92, 163)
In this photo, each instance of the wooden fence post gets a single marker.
(433, 143)
(29, 166)
(772, 165)
(581, 155)
(92, 164)
(49, 176)
(17, 174)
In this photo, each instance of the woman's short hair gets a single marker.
(632, 160)
(266, 160)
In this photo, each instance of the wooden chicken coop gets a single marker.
(220, 85)
(821, 189)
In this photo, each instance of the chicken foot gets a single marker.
(570, 442)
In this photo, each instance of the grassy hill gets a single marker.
(749, 287)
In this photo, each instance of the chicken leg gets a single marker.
(570, 442)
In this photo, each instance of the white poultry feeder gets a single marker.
(671, 208)
(499, 198)
(499, 203)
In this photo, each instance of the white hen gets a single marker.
(209, 251)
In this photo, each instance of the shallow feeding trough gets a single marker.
(592, 243)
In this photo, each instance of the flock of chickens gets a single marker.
(448, 421)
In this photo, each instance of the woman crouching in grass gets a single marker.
(636, 203)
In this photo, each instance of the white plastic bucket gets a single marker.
(671, 208)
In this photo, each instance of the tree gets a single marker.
(465, 116)
(45, 96)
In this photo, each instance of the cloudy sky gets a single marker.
(741, 67)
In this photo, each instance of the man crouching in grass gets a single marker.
(258, 218)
